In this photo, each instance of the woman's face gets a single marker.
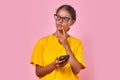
(63, 19)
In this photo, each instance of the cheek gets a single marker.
(66, 26)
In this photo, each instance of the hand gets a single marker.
(60, 64)
(62, 36)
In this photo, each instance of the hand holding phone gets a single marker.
(61, 61)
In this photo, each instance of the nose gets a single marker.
(61, 20)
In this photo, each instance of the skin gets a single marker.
(61, 33)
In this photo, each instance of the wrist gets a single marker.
(65, 44)
(54, 65)
(66, 47)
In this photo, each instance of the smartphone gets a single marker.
(64, 57)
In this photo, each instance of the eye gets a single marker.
(66, 19)
(57, 17)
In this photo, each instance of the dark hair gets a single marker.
(70, 9)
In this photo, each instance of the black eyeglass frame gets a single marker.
(64, 19)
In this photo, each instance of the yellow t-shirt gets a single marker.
(48, 48)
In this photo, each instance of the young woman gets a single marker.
(47, 51)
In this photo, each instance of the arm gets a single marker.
(42, 71)
(75, 65)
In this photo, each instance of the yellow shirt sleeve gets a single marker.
(79, 55)
(36, 57)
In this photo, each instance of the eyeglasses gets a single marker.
(64, 19)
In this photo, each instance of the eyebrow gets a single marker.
(63, 16)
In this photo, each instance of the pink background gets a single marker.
(23, 22)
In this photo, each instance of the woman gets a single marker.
(48, 50)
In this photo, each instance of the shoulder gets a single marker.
(44, 39)
(75, 43)
(75, 40)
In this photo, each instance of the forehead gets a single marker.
(63, 12)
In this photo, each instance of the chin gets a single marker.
(59, 28)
